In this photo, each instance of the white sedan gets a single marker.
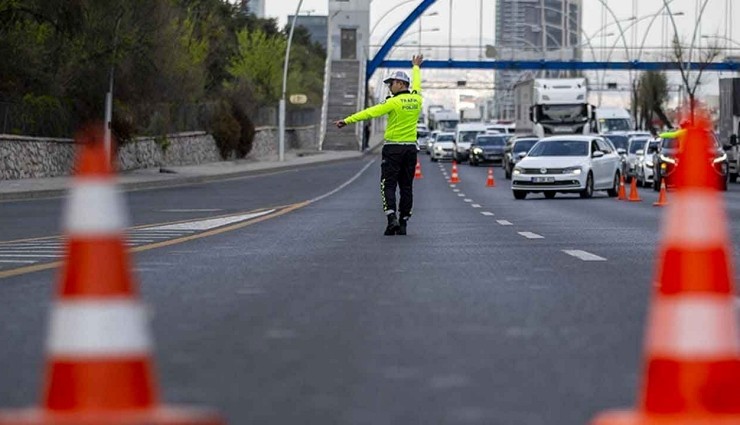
(567, 164)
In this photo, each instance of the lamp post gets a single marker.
(386, 14)
(281, 107)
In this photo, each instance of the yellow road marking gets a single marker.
(47, 266)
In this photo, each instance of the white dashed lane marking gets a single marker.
(583, 255)
(475, 205)
(467, 200)
(487, 213)
(456, 190)
(462, 195)
(504, 222)
(530, 235)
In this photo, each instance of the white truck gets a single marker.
(443, 120)
(729, 122)
(552, 106)
(610, 120)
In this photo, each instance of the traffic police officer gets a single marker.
(399, 148)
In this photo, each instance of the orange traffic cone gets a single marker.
(99, 367)
(662, 197)
(490, 182)
(417, 174)
(634, 196)
(454, 178)
(692, 348)
(622, 192)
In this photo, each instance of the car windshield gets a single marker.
(614, 124)
(421, 133)
(444, 138)
(670, 143)
(637, 144)
(653, 147)
(619, 141)
(560, 148)
(468, 136)
(523, 145)
(490, 141)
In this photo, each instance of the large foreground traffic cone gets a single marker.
(417, 173)
(634, 196)
(692, 348)
(454, 178)
(622, 194)
(490, 182)
(99, 369)
(662, 196)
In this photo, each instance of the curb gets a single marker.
(159, 184)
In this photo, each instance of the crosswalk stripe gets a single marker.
(530, 235)
(583, 255)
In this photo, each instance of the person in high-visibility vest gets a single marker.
(399, 149)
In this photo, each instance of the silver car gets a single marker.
(444, 147)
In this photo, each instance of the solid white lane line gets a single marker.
(475, 205)
(18, 261)
(487, 213)
(504, 222)
(467, 200)
(583, 255)
(530, 235)
(213, 222)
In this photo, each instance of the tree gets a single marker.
(692, 81)
(652, 93)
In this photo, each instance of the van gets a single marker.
(465, 136)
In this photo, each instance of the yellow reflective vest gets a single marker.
(403, 111)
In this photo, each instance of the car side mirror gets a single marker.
(640, 152)
(521, 155)
(597, 154)
(621, 151)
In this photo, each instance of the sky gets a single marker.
(466, 26)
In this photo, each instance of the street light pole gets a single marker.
(281, 107)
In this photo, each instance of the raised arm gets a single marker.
(416, 73)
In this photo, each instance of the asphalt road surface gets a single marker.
(293, 308)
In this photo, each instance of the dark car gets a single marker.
(621, 144)
(516, 148)
(665, 161)
(488, 148)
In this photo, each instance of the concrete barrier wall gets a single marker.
(32, 157)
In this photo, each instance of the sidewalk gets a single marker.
(170, 176)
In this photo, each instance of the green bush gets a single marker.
(225, 130)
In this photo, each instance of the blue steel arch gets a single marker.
(373, 65)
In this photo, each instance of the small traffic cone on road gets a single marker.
(662, 196)
(454, 178)
(490, 182)
(634, 196)
(692, 348)
(417, 174)
(622, 194)
(99, 367)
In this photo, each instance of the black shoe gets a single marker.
(402, 227)
(392, 226)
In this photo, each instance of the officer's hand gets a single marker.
(340, 123)
(417, 60)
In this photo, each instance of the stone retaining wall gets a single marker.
(31, 157)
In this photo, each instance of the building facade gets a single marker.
(533, 30)
(316, 26)
(349, 29)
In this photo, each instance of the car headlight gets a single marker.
(720, 159)
(517, 171)
(477, 151)
(667, 159)
(438, 148)
(572, 170)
